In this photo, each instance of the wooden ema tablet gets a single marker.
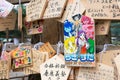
(4, 69)
(22, 57)
(54, 8)
(35, 10)
(8, 22)
(38, 59)
(101, 72)
(54, 69)
(102, 9)
(79, 41)
(35, 27)
(48, 48)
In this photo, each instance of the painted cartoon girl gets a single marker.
(82, 43)
(68, 29)
(70, 46)
(88, 27)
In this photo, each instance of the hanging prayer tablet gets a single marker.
(79, 41)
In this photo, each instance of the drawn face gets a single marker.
(68, 29)
(82, 36)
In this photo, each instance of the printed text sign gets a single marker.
(79, 41)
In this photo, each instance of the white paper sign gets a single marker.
(5, 8)
(101, 72)
(54, 69)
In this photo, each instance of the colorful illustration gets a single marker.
(79, 41)
(22, 57)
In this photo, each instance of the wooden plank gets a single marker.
(8, 22)
(35, 10)
(102, 9)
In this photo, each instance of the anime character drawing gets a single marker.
(88, 27)
(77, 24)
(82, 43)
(68, 32)
(70, 45)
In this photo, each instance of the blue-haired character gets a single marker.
(68, 29)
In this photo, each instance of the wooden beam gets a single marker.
(17, 1)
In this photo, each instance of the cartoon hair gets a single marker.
(77, 15)
(79, 33)
(85, 18)
(67, 24)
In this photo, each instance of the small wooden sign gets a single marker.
(8, 22)
(22, 57)
(101, 72)
(35, 27)
(54, 9)
(4, 69)
(102, 27)
(54, 69)
(35, 10)
(102, 9)
(47, 48)
(73, 7)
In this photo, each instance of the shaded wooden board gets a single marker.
(17, 1)
(102, 9)
(54, 8)
(8, 22)
(47, 48)
(102, 27)
(35, 10)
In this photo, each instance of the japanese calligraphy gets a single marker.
(54, 69)
(35, 9)
(54, 9)
(101, 72)
(4, 69)
(102, 9)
